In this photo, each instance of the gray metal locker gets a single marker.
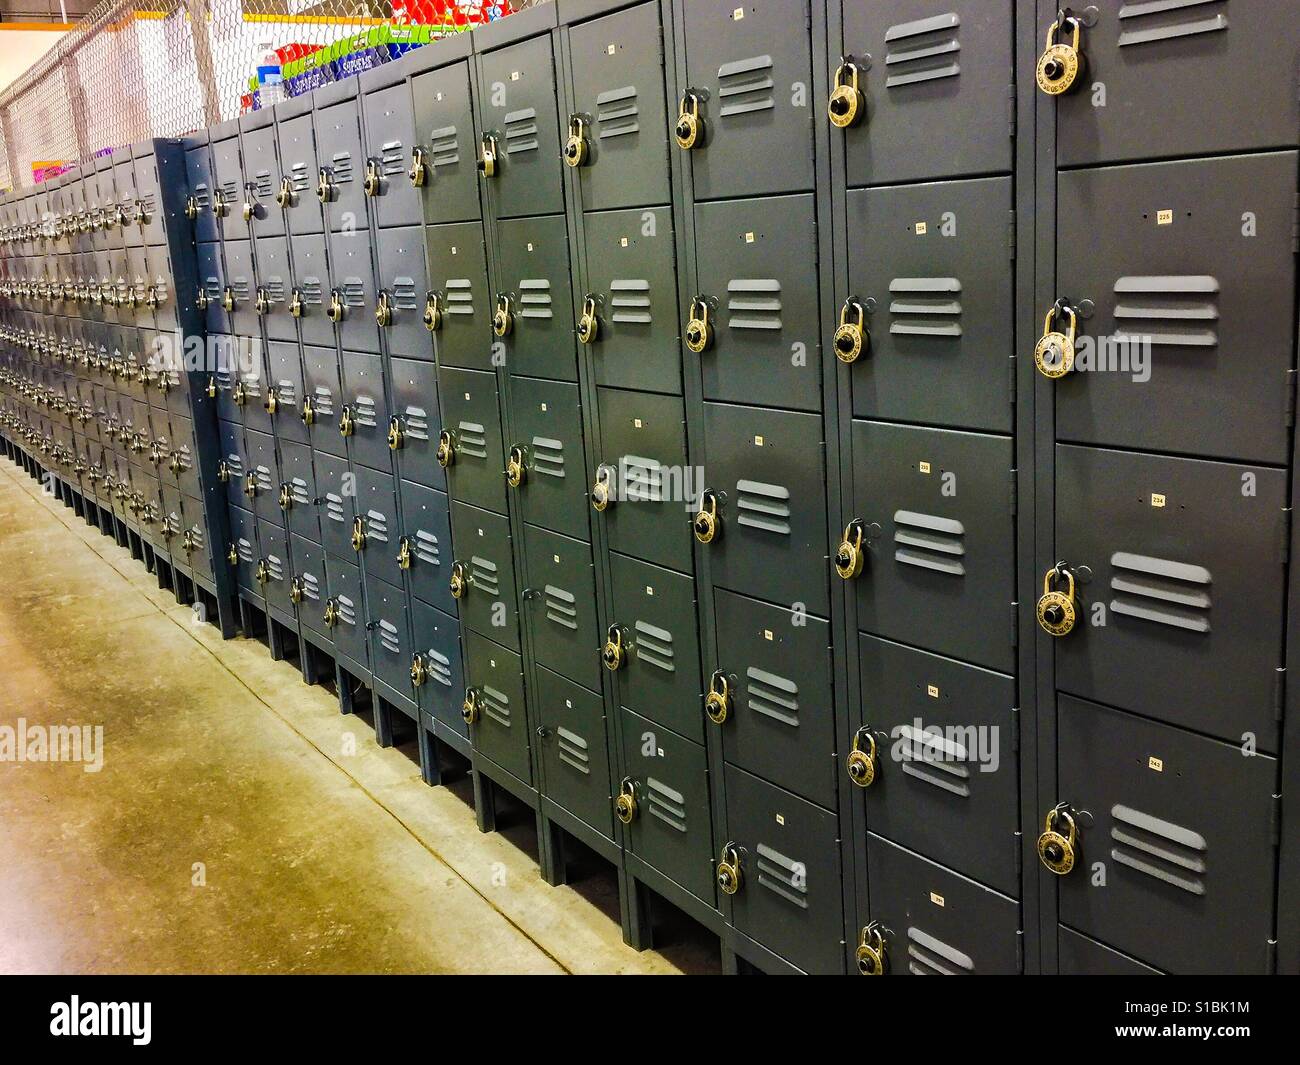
(274, 288)
(403, 291)
(574, 758)
(273, 571)
(444, 132)
(309, 293)
(364, 416)
(425, 546)
(307, 559)
(560, 605)
(240, 291)
(459, 295)
(544, 461)
(375, 530)
(322, 399)
(484, 573)
(258, 208)
(352, 296)
(336, 483)
(296, 495)
(389, 126)
(495, 688)
(414, 387)
(344, 611)
(533, 316)
(391, 650)
(341, 164)
(261, 488)
(298, 169)
(440, 690)
(471, 437)
(284, 391)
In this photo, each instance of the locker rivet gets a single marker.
(1061, 65)
(625, 802)
(861, 764)
(717, 703)
(729, 874)
(846, 104)
(1057, 849)
(870, 955)
(851, 339)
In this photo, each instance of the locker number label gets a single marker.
(758, 441)
(1164, 218)
(780, 819)
(936, 898)
(921, 229)
(749, 237)
(1157, 499)
(924, 467)
(932, 690)
(611, 48)
(738, 14)
(767, 634)
(1158, 764)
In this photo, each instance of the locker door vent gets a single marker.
(275, 567)
(745, 86)
(427, 548)
(1159, 849)
(235, 463)
(301, 179)
(365, 414)
(484, 574)
(1178, 312)
(666, 804)
(928, 956)
(929, 542)
(573, 751)
(341, 167)
(1155, 589)
(521, 131)
(392, 159)
(377, 526)
(535, 298)
(922, 50)
(654, 646)
(472, 440)
(334, 508)
(784, 877)
(264, 185)
(460, 296)
(404, 294)
(773, 696)
(311, 291)
(936, 760)
(630, 299)
(287, 392)
(310, 587)
(417, 423)
(1136, 27)
(561, 607)
(754, 304)
(548, 457)
(229, 191)
(763, 506)
(275, 289)
(324, 403)
(616, 112)
(389, 638)
(201, 196)
(496, 705)
(444, 149)
(438, 667)
(245, 548)
(265, 483)
(354, 292)
(925, 306)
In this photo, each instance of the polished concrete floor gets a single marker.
(239, 823)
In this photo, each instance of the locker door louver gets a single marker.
(186, 459)
(241, 286)
(923, 50)
(311, 291)
(287, 393)
(265, 483)
(275, 567)
(925, 306)
(347, 610)
(1158, 848)
(496, 705)
(521, 131)
(392, 159)
(773, 696)
(929, 542)
(202, 197)
(616, 112)
(354, 292)
(252, 388)
(264, 185)
(341, 168)
(630, 300)
(427, 548)
(472, 440)
(377, 526)
(275, 289)
(334, 510)
(784, 877)
(535, 298)
(230, 191)
(935, 760)
(573, 750)
(235, 463)
(301, 179)
(444, 147)
(310, 586)
(404, 295)
(745, 86)
(666, 804)
(388, 637)
(211, 289)
(196, 535)
(548, 457)
(244, 547)
(417, 423)
(642, 479)
(754, 304)
(437, 667)
(1158, 590)
(225, 379)
(484, 574)
(364, 412)
(1174, 311)
(561, 607)
(1137, 28)
(460, 296)
(654, 646)
(929, 956)
(763, 506)
(324, 403)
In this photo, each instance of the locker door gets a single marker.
(752, 68)
(1226, 55)
(284, 384)
(946, 779)
(471, 417)
(618, 84)
(517, 110)
(243, 535)
(150, 218)
(310, 287)
(377, 509)
(414, 386)
(937, 86)
(436, 639)
(298, 165)
(1212, 303)
(187, 474)
(767, 489)
(560, 605)
(1183, 870)
(163, 293)
(261, 182)
(198, 170)
(228, 186)
(390, 634)
(643, 470)
(252, 378)
(546, 418)
(671, 829)
(240, 288)
(352, 283)
(1181, 613)
(366, 408)
(308, 564)
(389, 135)
(212, 283)
(335, 482)
(261, 476)
(274, 280)
(298, 488)
(536, 298)
(459, 286)
(346, 609)
(631, 268)
(444, 125)
(339, 156)
(779, 721)
(426, 544)
(275, 570)
(485, 570)
(494, 678)
(936, 923)
(575, 762)
(200, 558)
(924, 259)
(320, 385)
(231, 435)
(758, 268)
(403, 279)
(935, 508)
(655, 623)
(790, 890)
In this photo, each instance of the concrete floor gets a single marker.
(240, 823)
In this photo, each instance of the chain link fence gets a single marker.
(161, 68)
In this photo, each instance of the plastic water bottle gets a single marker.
(270, 81)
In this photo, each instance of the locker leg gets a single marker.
(638, 928)
(274, 639)
(550, 851)
(430, 769)
(383, 722)
(344, 684)
(485, 807)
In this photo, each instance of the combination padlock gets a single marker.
(689, 128)
(337, 307)
(232, 556)
(602, 494)
(418, 172)
(347, 423)
(324, 186)
(707, 524)
(588, 323)
(396, 434)
(372, 182)
(516, 466)
(1058, 611)
(625, 801)
(249, 210)
(851, 338)
(262, 573)
(575, 148)
(384, 310)
(851, 555)
(223, 470)
(219, 206)
(250, 484)
(286, 496)
(699, 333)
(271, 401)
(284, 197)
(459, 583)
(212, 386)
(405, 556)
(358, 534)
(861, 765)
(228, 298)
(846, 105)
(295, 591)
(487, 158)
(331, 616)
(503, 320)
(1061, 66)
(296, 307)
(870, 956)
(191, 207)
(728, 873)
(201, 299)
(1054, 352)
(1057, 849)
(718, 699)
(262, 301)
(308, 412)
(418, 670)
(469, 707)
(432, 316)
(446, 453)
(612, 653)
(239, 393)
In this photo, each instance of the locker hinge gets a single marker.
(1014, 491)
(1277, 820)
(1279, 692)
(1015, 617)
(1285, 551)
(1290, 398)
(1011, 235)
(1270, 958)
(661, 46)
(1015, 735)
(1011, 380)
(1295, 226)
(1011, 110)
(1020, 950)
(1018, 842)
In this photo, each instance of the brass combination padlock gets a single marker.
(588, 323)
(358, 533)
(1058, 611)
(689, 130)
(459, 583)
(262, 301)
(201, 299)
(324, 186)
(717, 702)
(249, 210)
(418, 670)
(601, 493)
(228, 298)
(612, 654)
(432, 316)
(250, 484)
(295, 590)
(1057, 849)
(418, 172)
(239, 394)
(286, 496)
(862, 762)
(729, 875)
(337, 306)
(296, 307)
(1061, 66)
(223, 469)
(347, 423)
(503, 320)
(469, 708)
(212, 386)
(851, 338)
(384, 310)
(870, 955)
(308, 412)
(191, 207)
(516, 466)
(707, 524)
(1054, 352)
(271, 401)
(851, 555)
(396, 435)
(699, 333)
(575, 148)
(487, 159)
(331, 617)
(446, 453)
(846, 105)
(404, 554)
(262, 573)
(625, 801)
(232, 556)
(372, 182)
(284, 197)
